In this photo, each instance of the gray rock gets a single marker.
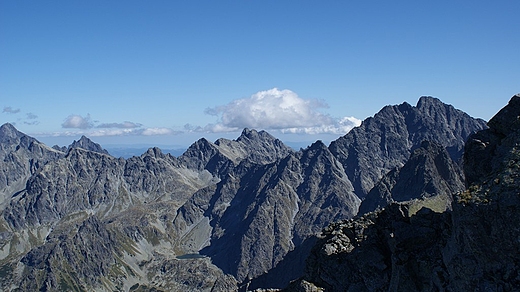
(87, 144)
(386, 140)
(429, 176)
(21, 156)
(70, 261)
(474, 247)
(220, 157)
(260, 214)
(228, 215)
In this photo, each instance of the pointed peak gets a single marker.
(428, 100)
(247, 131)
(8, 130)
(7, 126)
(9, 134)
(87, 144)
(254, 135)
(405, 107)
(154, 151)
(248, 134)
(201, 142)
(318, 145)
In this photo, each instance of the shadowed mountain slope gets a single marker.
(429, 176)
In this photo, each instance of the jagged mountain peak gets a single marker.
(252, 134)
(246, 132)
(202, 141)
(154, 151)
(470, 248)
(425, 101)
(78, 152)
(200, 148)
(258, 147)
(8, 130)
(252, 138)
(386, 140)
(316, 146)
(9, 134)
(87, 144)
(200, 144)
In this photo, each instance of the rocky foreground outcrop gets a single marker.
(474, 247)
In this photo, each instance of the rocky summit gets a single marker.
(248, 213)
(387, 140)
(472, 247)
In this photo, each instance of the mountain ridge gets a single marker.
(236, 211)
(387, 138)
(469, 248)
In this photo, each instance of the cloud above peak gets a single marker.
(281, 110)
(77, 122)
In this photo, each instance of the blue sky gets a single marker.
(170, 72)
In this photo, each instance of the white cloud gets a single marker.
(113, 132)
(86, 126)
(339, 127)
(281, 110)
(77, 122)
(157, 131)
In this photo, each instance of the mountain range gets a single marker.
(226, 215)
(473, 246)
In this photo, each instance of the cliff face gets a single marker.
(260, 213)
(474, 247)
(483, 251)
(224, 215)
(21, 156)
